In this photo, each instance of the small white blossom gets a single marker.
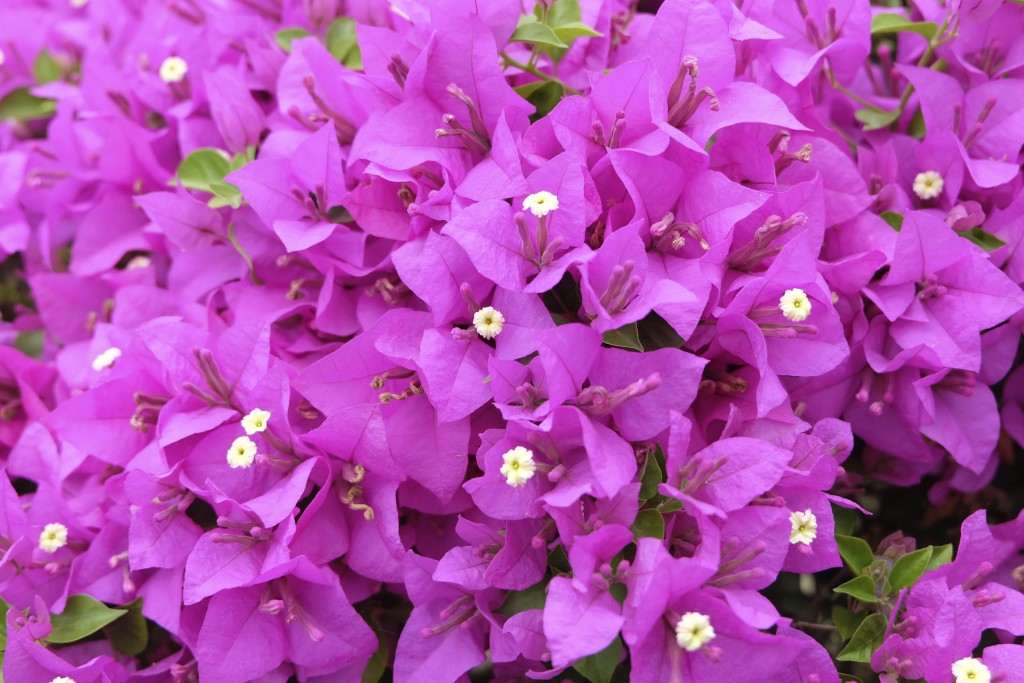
(795, 305)
(63, 679)
(173, 70)
(804, 527)
(53, 538)
(242, 452)
(694, 631)
(106, 359)
(928, 184)
(519, 466)
(255, 421)
(971, 670)
(541, 203)
(488, 322)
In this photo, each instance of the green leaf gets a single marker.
(916, 128)
(538, 34)
(130, 634)
(845, 520)
(4, 606)
(203, 167)
(895, 220)
(285, 36)
(665, 504)
(82, 616)
(564, 12)
(649, 524)
(862, 588)
(343, 44)
(573, 30)
(941, 554)
(985, 240)
(855, 552)
(865, 641)
(600, 666)
(846, 621)
(21, 105)
(378, 662)
(543, 95)
(908, 569)
(651, 477)
(520, 601)
(225, 194)
(874, 119)
(895, 23)
(625, 337)
(46, 69)
(30, 343)
(244, 254)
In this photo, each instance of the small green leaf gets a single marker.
(651, 477)
(30, 343)
(873, 119)
(865, 641)
(625, 337)
(4, 606)
(343, 44)
(985, 240)
(21, 105)
(895, 23)
(665, 504)
(130, 634)
(845, 520)
(846, 621)
(286, 36)
(203, 167)
(908, 569)
(543, 95)
(225, 194)
(941, 554)
(564, 12)
(916, 128)
(573, 30)
(855, 552)
(600, 667)
(538, 34)
(46, 69)
(378, 662)
(82, 616)
(520, 601)
(649, 524)
(895, 220)
(862, 588)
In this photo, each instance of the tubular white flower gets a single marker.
(804, 527)
(255, 421)
(694, 631)
(541, 203)
(519, 466)
(106, 359)
(971, 670)
(928, 184)
(488, 322)
(242, 452)
(173, 70)
(53, 537)
(795, 305)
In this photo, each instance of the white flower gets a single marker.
(255, 421)
(795, 305)
(488, 322)
(173, 70)
(106, 359)
(519, 466)
(928, 184)
(694, 631)
(804, 527)
(242, 452)
(541, 203)
(971, 670)
(63, 679)
(53, 538)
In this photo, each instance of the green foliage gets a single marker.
(204, 170)
(378, 663)
(536, 33)
(855, 552)
(874, 119)
(985, 240)
(865, 641)
(286, 36)
(543, 95)
(846, 621)
(600, 667)
(895, 220)
(861, 587)
(649, 524)
(129, 634)
(625, 337)
(520, 601)
(46, 69)
(82, 616)
(343, 44)
(652, 475)
(896, 23)
(909, 568)
(21, 105)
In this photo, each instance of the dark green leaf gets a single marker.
(895, 220)
(666, 504)
(30, 343)
(846, 621)
(941, 554)
(845, 520)
(558, 560)
(865, 641)
(545, 98)
(520, 601)
(537, 34)
(849, 677)
(21, 105)
(599, 667)
(895, 23)
(46, 69)
(82, 616)
(285, 36)
(656, 333)
(378, 662)
(985, 240)
(129, 634)
(855, 552)
(651, 477)
(862, 588)
(649, 524)
(873, 119)
(625, 337)
(916, 128)
(908, 569)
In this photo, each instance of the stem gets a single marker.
(538, 73)
(933, 44)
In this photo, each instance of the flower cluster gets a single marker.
(533, 340)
